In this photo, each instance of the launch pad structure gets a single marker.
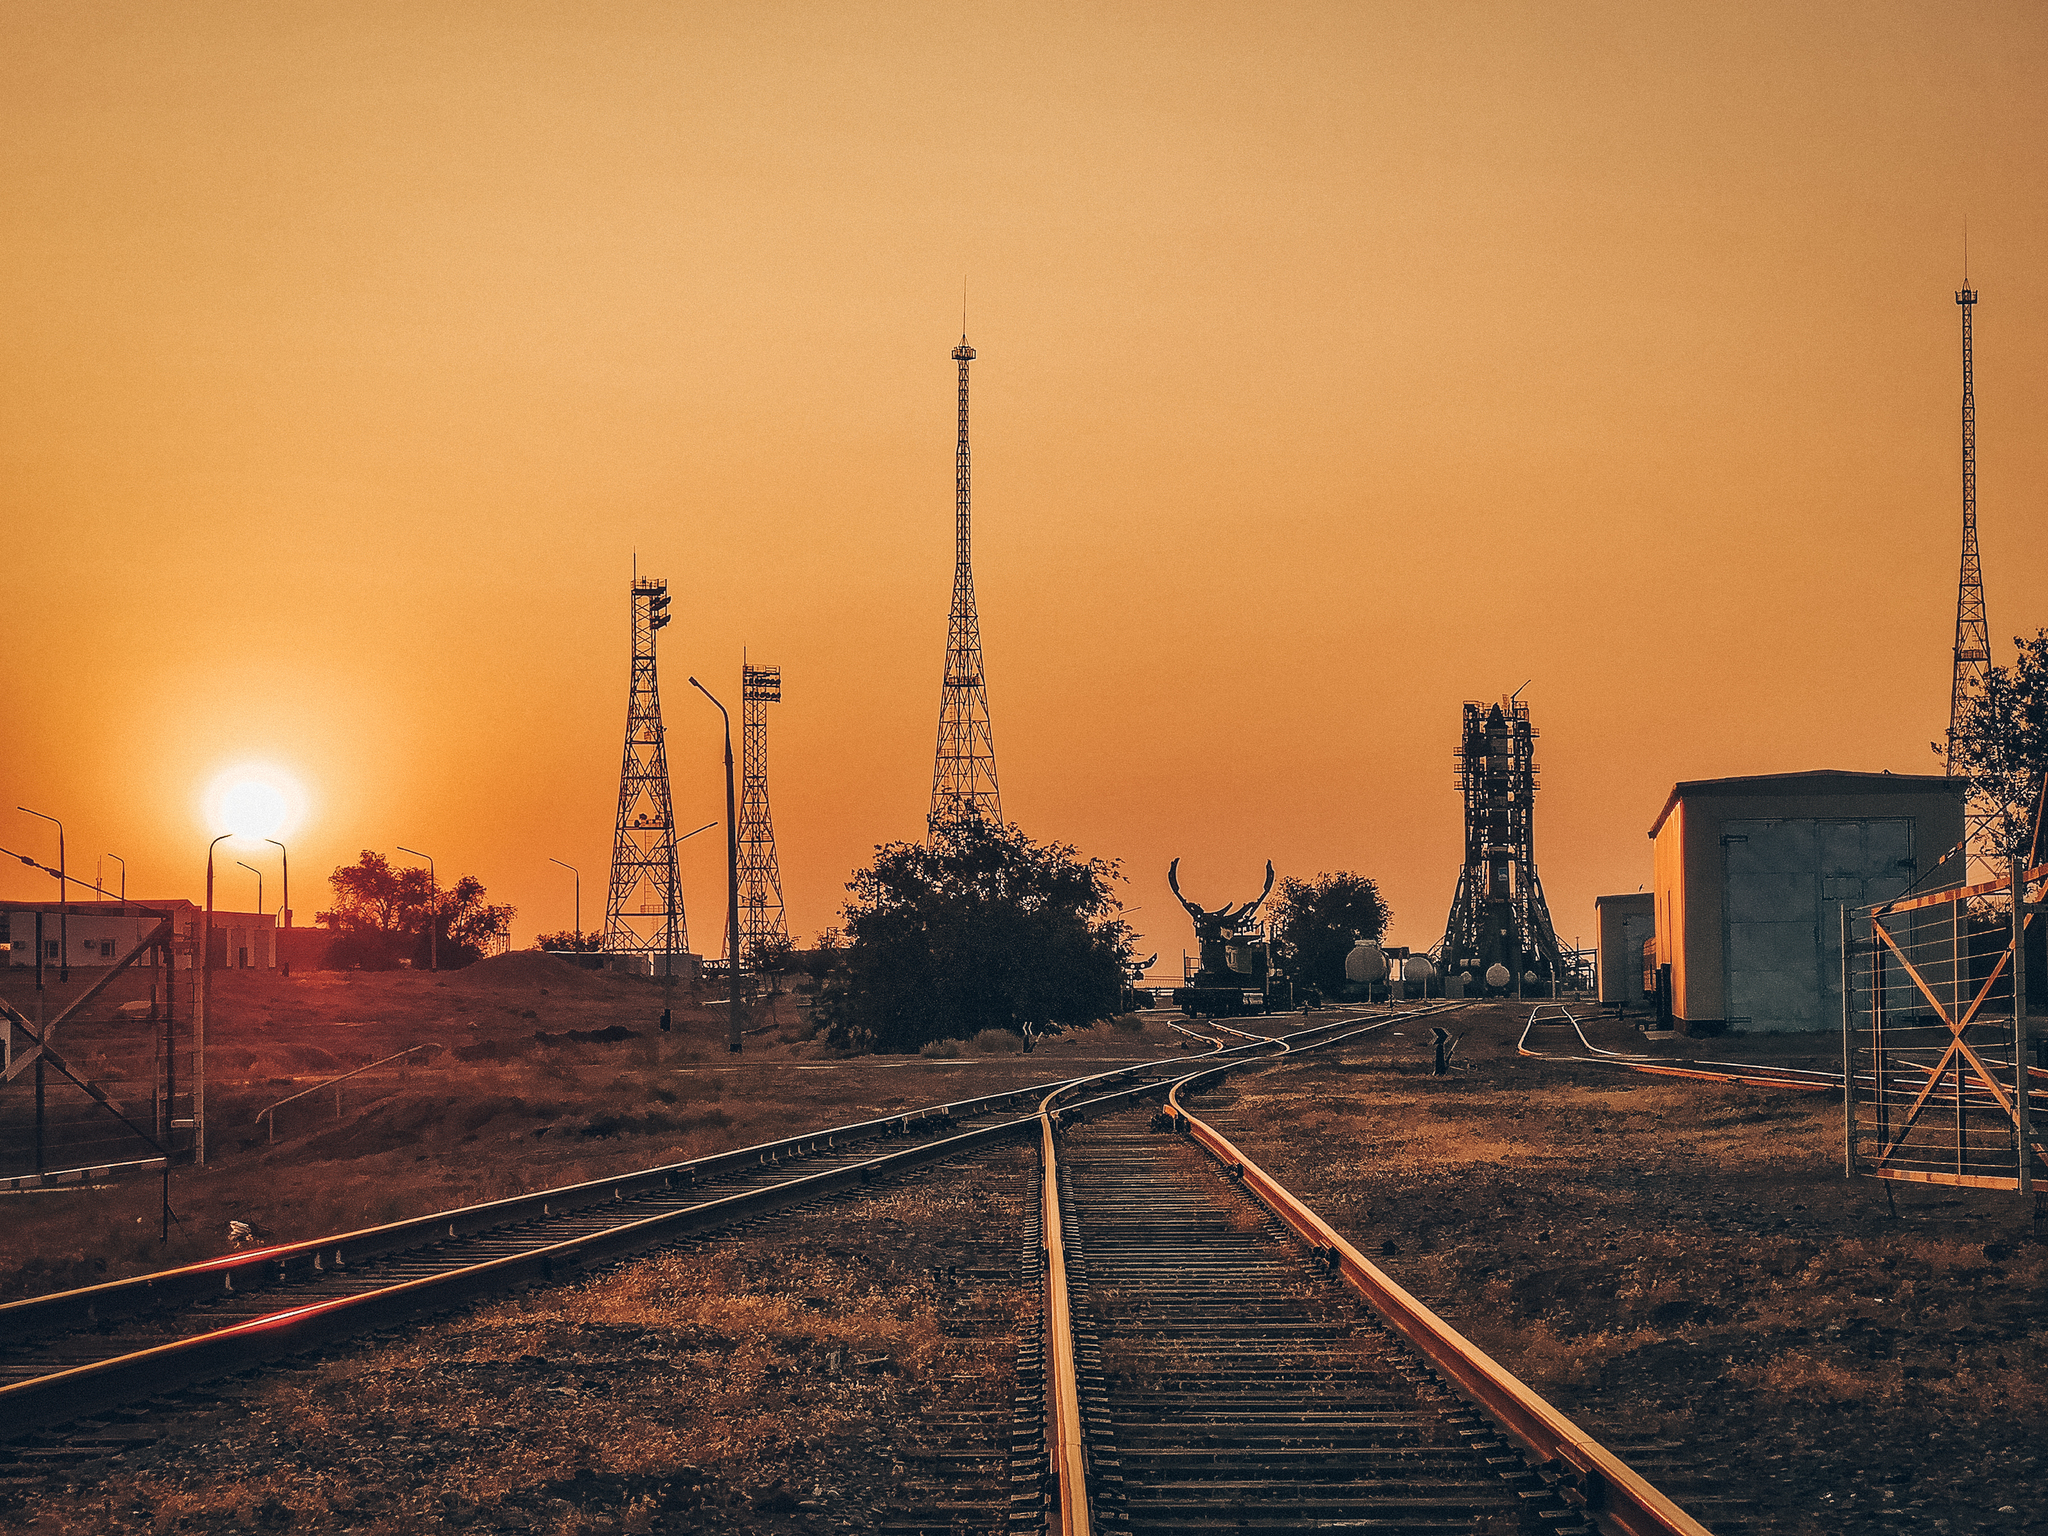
(1499, 935)
(643, 913)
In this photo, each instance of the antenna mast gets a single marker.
(1973, 631)
(964, 774)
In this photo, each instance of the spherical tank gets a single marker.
(1498, 975)
(1417, 968)
(1366, 963)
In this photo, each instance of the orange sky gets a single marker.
(1338, 363)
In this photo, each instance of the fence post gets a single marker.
(2022, 1137)
(1848, 1057)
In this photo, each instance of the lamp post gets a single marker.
(732, 881)
(124, 876)
(259, 883)
(284, 906)
(579, 896)
(199, 1012)
(63, 900)
(433, 917)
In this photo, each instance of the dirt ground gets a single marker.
(852, 1369)
(1682, 1267)
(495, 1109)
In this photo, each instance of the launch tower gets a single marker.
(1498, 916)
(761, 914)
(644, 913)
(964, 775)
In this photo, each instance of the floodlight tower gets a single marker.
(964, 775)
(1973, 630)
(761, 914)
(644, 913)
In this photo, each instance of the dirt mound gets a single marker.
(527, 968)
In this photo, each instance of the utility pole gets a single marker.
(63, 899)
(433, 910)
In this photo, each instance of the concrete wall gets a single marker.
(1624, 922)
(1687, 880)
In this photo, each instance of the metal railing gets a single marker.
(335, 1083)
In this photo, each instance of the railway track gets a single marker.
(1750, 1074)
(1207, 1355)
(1221, 1359)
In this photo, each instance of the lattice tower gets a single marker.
(964, 774)
(644, 912)
(1973, 630)
(761, 914)
(1498, 913)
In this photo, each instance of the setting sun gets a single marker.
(255, 802)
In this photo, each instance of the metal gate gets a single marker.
(1934, 1038)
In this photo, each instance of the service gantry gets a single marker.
(964, 774)
(1973, 630)
(643, 915)
(761, 916)
(1498, 915)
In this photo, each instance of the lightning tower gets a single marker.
(1498, 914)
(644, 913)
(964, 775)
(1973, 631)
(761, 914)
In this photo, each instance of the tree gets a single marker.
(572, 941)
(2001, 743)
(385, 915)
(980, 928)
(1315, 923)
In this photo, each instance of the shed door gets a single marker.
(1784, 883)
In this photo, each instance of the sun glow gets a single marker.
(255, 801)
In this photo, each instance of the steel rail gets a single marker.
(58, 1396)
(91, 1306)
(1806, 1080)
(1598, 1481)
(1066, 1446)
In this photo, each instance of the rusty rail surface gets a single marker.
(1616, 1497)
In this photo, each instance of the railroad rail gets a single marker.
(1224, 1359)
(85, 1352)
(1752, 1074)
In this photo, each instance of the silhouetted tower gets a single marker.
(644, 913)
(1973, 631)
(964, 776)
(1498, 914)
(761, 914)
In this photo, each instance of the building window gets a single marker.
(55, 954)
(106, 949)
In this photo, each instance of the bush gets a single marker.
(996, 1042)
(945, 1049)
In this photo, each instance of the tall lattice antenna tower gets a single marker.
(644, 913)
(1973, 631)
(761, 915)
(964, 775)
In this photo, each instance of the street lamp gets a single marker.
(284, 906)
(259, 884)
(124, 877)
(732, 880)
(63, 901)
(199, 1012)
(579, 896)
(433, 917)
